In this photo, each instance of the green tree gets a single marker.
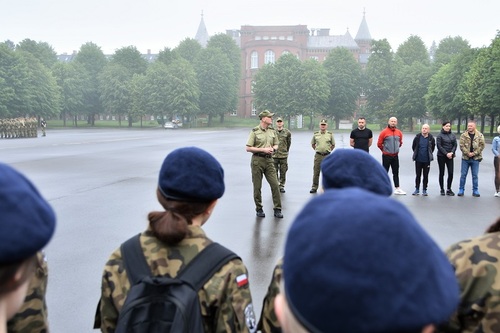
(448, 48)
(115, 81)
(131, 59)
(93, 61)
(483, 82)
(344, 79)
(71, 82)
(380, 81)
(188, 49)
(8, 81)
(277, 87)
(183, 91)
(42, 98)
(314, 90)
(115, 90)
(215, 81)
(154, 92)
(139, 96)
(42, 51)
(413, 50)
(445, 96)
(412, 75)
(412, 83)
(166, 56)
(229, 47)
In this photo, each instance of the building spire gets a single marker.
(363, 31)
(202, 34)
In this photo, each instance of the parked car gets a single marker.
(169, 124)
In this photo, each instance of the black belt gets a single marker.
(322, 154)
(263, 155)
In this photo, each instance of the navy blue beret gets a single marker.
(27, 221)
(355, 167)
(356, 261)
(191, 174)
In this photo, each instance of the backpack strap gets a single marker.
(136, 265)
(203, 266)
(206, 264)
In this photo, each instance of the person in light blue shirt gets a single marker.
(495, 147)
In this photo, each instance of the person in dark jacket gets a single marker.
(446, 143)
(423, 148)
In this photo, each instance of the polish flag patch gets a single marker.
(242, 280)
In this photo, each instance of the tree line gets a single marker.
(186, 82)
(451, 81)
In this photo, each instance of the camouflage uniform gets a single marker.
(32, 316)
(476, 267)
(268, 322)
(263, 164)
(225, 306)
(323, 144)
(281, 155)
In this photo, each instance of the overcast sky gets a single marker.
(154, 24)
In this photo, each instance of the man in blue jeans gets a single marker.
(471, 145)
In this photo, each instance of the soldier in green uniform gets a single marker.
(43, 125)
(32, 317)
(281, 155)
(262, 143)
(189, 185)
(475, 262)
(323, 144)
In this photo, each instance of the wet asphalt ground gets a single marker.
(101, 183)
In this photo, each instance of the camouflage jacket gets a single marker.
(477, 144)
(268, 322)
(285, 141)
(32, 316)
(226, 304)
(476, 267)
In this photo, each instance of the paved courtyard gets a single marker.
(102, 183)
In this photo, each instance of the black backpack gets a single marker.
(165, 304)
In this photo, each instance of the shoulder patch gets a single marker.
(242, 280)
(255, 129)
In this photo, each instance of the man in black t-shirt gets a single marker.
(361, 137)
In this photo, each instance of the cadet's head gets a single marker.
(355, 168)
(372, 268)
(27, 223)
(323, 124)
(190, 182)
(191, 174)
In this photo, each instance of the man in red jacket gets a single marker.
(389, 141)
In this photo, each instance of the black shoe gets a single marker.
(313, 190)
(450, 193)
(277, 213)
(260, 213)
(442, 192)
(282, 190)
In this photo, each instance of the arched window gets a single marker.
(254, 60)
(269, 57)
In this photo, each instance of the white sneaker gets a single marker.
(497, 194)
(399, 191)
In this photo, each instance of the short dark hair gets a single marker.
(361, 118)
(446, 122)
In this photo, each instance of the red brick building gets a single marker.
(265, 44)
